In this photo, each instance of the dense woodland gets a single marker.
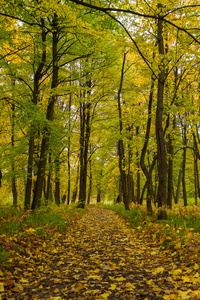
(99, 100)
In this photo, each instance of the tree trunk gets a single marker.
(49, 116)
(184, 165)
(148, 173)
(57, 181)
(196, 170)
(130, 182)
(85, 120)
(1, 174)
(14, 185)
(90, 182)
(37, 78)
(131, 194)
(75, 191)
(120, 197)
(121, 144)
(138, 171)
(161, 151)
(49, 196)
(69, 151)
(179, 184)
(170, 172)
(195, 180)
(98, 195)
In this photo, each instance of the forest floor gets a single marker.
(100, 257)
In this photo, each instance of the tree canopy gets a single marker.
(99, 99)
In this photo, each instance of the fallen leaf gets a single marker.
(113, 286)
(105, 295)
(1, 287)
(95, 277)
(120, 279)
(130, 286)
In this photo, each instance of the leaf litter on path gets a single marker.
(98, 258)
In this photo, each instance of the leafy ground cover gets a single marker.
(18, 228)
(100, 257)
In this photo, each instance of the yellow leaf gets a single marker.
(186, 278)
(30, 230)
(120, 279)
(56, 291)
(196, 293)
(176, 272)
(112, 278)
(96, 270)
(177, 246)
(57, 280)
(170, 297)
(105, 295)
(95, 277)
(19, 286)
(112, 286)
(1, 273)
(158, 270)
(1, 287)
(60, 263)
(129, 286)
(23, 280)
(78, 288)
(184, 294)
(156, 289)
(196, 266)
(54, 251)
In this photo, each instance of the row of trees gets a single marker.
(99, 99)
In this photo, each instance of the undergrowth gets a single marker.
(15, 221)
(179, 218)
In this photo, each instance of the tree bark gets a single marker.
(49, 116)
(49, 196)
(121, 144)
(184, 165)
(196, 170)
(85, 120)
(37, 78)
(57, 181)
(161, 148)
(69, 151)
(148, 173)
(75, 191)
(138, 170)
(14, 184)
(90, 182)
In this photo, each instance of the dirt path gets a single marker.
(101, 258)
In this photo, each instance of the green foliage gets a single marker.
(133, 216)
(4, 255)
(15, 222)
(177, 223)
(188, 221)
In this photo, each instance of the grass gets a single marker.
(14, 221)
(4, 255)
(180, 218)
(17, 226)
